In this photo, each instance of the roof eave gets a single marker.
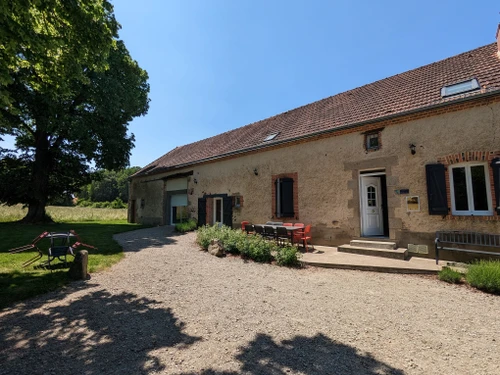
(324, 132)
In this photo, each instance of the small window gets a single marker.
(459, 88)
(270, 137)
(470, 189)
(372, 141)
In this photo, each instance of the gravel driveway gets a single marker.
(172, 309)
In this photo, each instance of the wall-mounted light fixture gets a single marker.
(255, 172)
(195, 181)
(413, 149)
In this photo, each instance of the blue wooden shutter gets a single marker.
(495, 165)
(202, 211)
(227, 211)
(436, 189)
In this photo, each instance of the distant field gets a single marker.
(65, 214)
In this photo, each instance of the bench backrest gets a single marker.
(469, 238)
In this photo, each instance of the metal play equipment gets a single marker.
(61, 244)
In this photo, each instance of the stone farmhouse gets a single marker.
(397, 159)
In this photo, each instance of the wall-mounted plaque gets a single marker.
(412, 203)
(402, 191)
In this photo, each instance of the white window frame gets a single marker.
(470, 196)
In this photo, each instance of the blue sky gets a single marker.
(215, 65)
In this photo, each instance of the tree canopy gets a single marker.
(69, 88)
(106, 186)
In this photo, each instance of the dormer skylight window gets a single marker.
(460, 88)
(270, 137)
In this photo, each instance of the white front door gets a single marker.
(372, 222)
(218, 211)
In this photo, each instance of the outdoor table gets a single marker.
(288, 228)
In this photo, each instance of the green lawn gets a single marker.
(18, 283)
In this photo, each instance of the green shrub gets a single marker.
(186, 226)
(254, 247)
(205, 234)
(84, 203)
(485, 275)
(258, 249)
(117, 204)
(233, 240)
(287, 256)
(450, 275)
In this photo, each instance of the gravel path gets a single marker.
(172, 309)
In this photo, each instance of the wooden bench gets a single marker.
(468, 242)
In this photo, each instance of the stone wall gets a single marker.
(327, 171)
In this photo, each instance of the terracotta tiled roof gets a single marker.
(413, 90)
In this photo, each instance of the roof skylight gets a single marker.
(459, 88)
(270, 137)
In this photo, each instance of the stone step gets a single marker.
(383, 245)
(386, 253)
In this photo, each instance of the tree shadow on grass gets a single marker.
(317, 355)
(17, 286)
(96, 334)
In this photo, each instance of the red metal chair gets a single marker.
(306, 237)
(297, 234)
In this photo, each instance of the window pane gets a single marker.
(479, 188)
(287, 197)
(460, 189)
(372, 141)
(218, 210)
(372, 196)
(179, 214)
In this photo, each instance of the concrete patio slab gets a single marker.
(329, 257)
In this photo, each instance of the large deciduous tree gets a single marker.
(106, 186)
(68, 89)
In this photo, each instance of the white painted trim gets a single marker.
(361, 201)
(470, 197)
(374, 174)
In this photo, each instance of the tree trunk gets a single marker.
(36, 214)
(40, 181)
